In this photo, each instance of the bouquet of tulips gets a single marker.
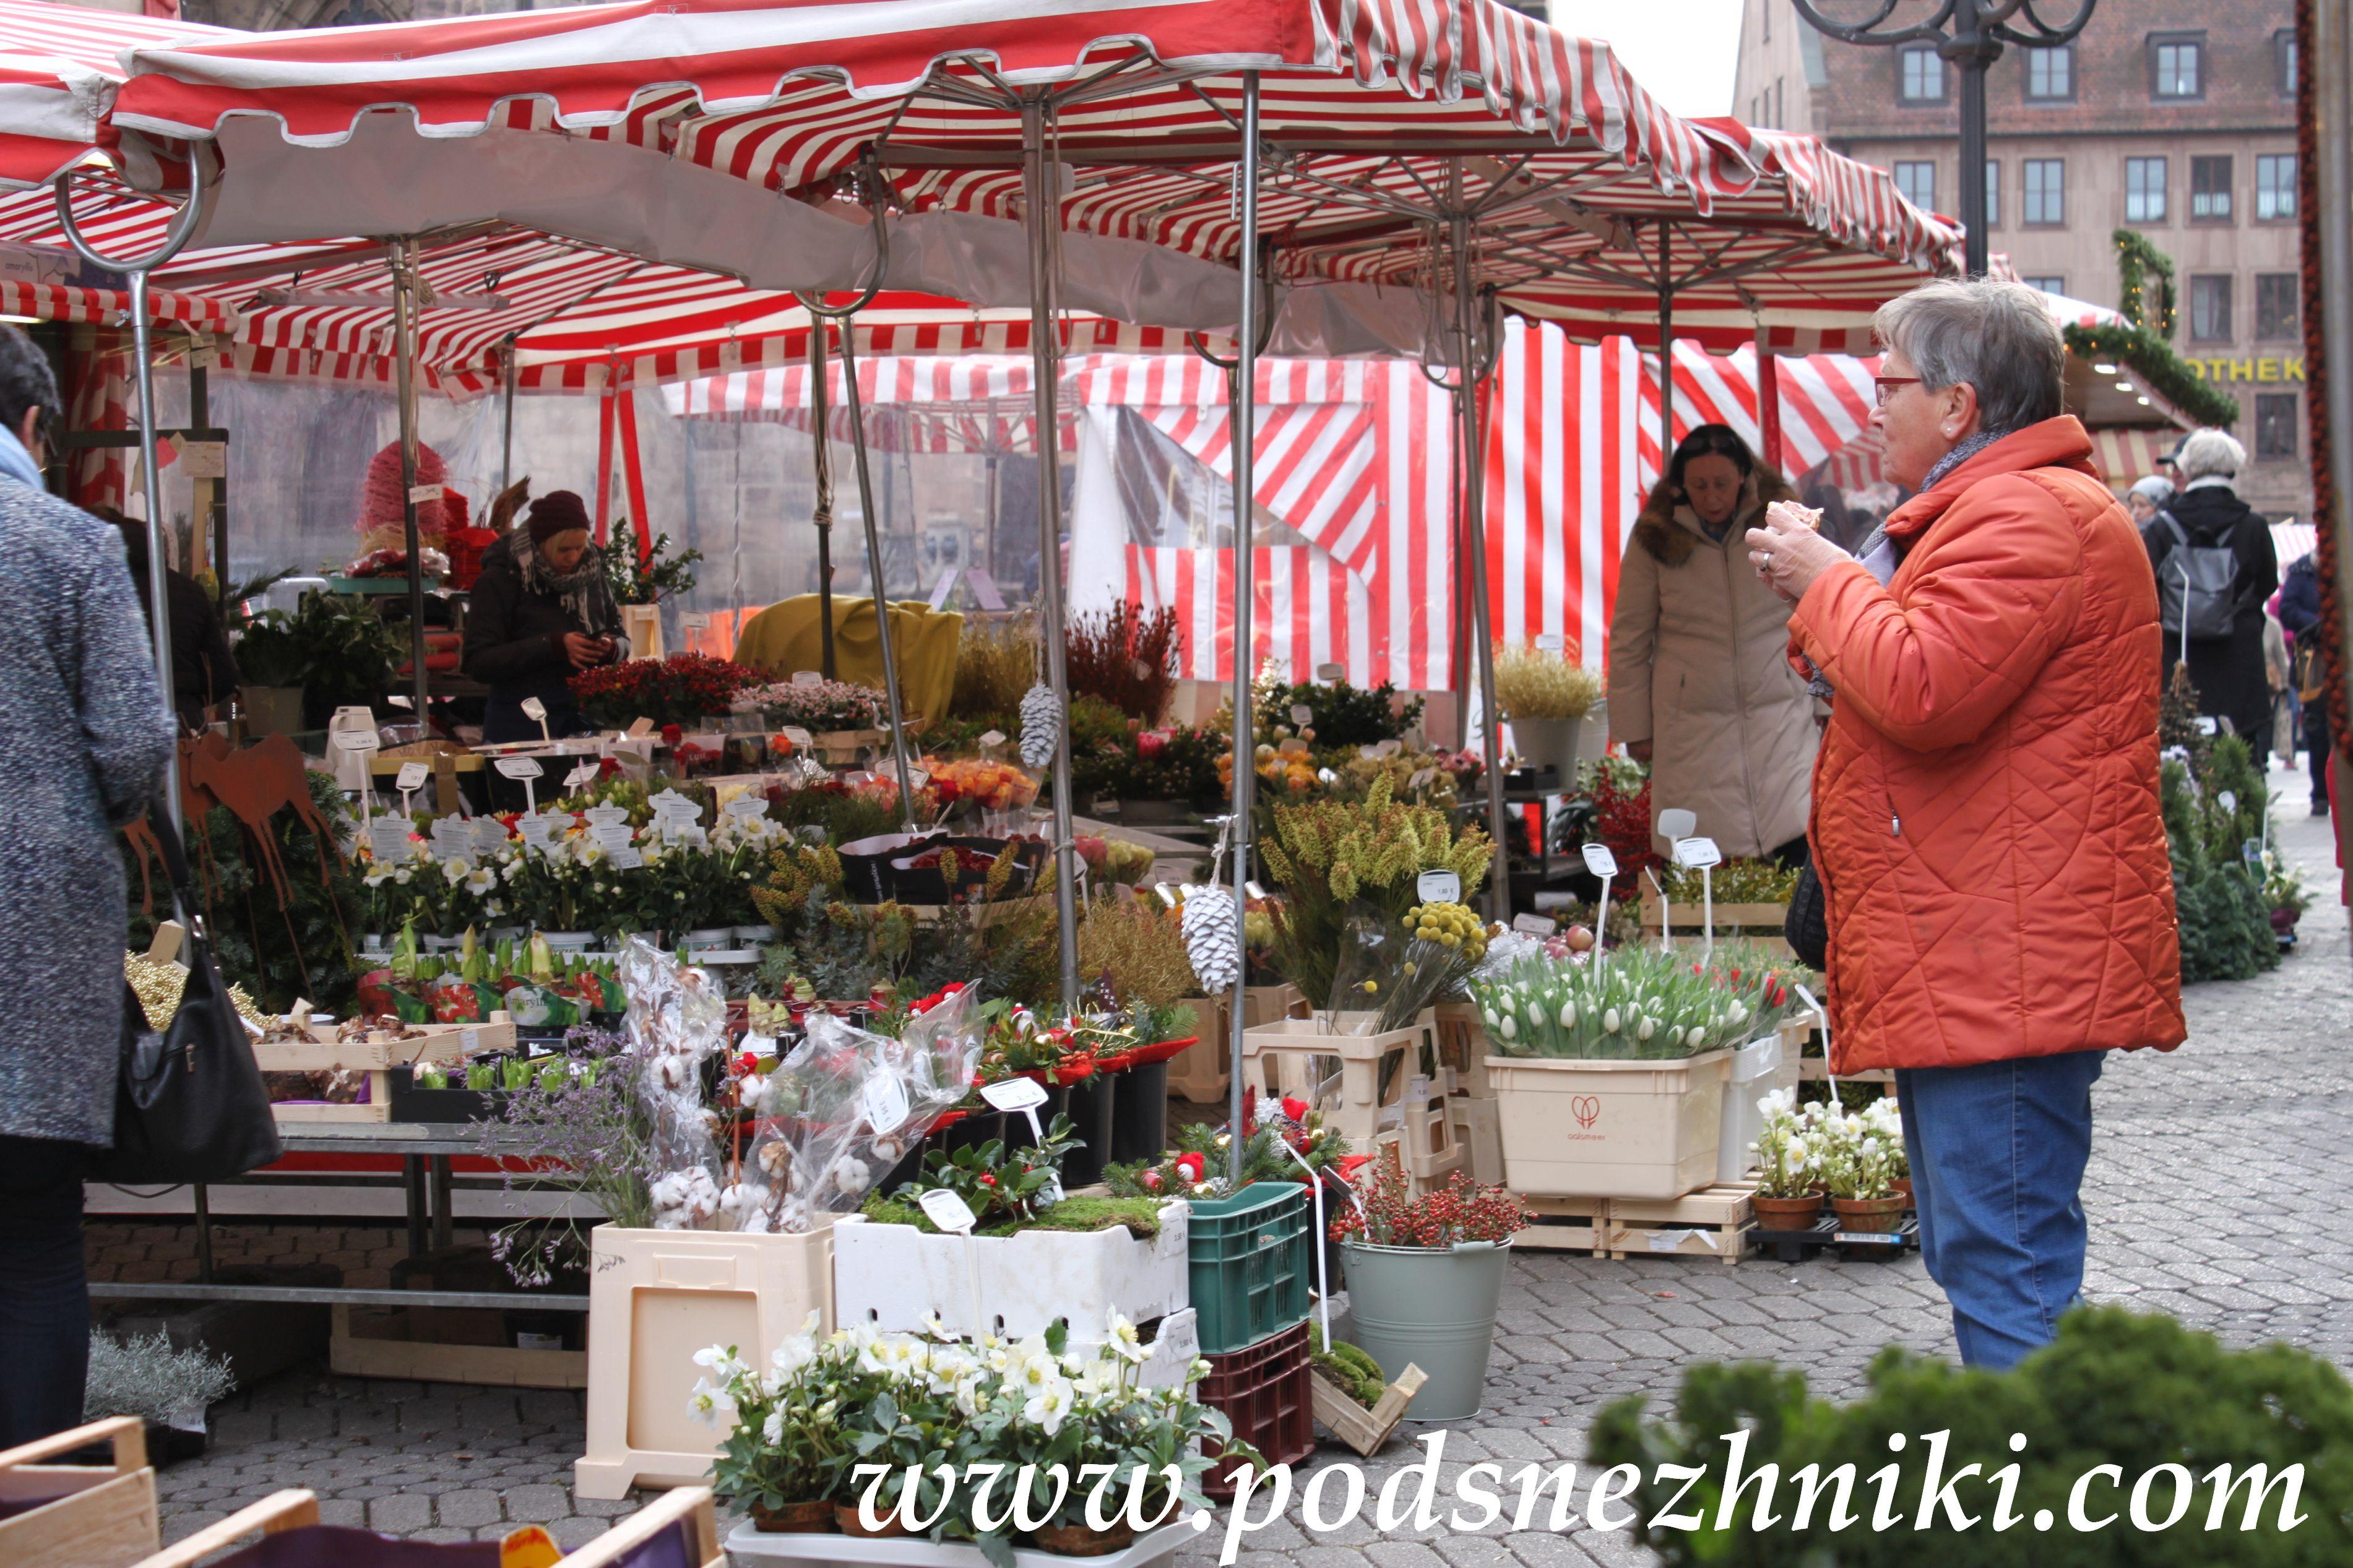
(1642, 1004)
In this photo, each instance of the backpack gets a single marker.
(2197, 584)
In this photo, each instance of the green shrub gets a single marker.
(2117, 1388)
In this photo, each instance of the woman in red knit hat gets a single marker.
(541, 612)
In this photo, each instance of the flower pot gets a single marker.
(568, 940)
(892, 1277)
(794, 1518)
(1549, 743)
(373, 942)
(757, 936)
(497, 934)
(1788, 1213)
(1079, 1541)
(845, 1518)
(1870, 1214)
(1431, 1308)
(272, 710)
(1903, 1186)
(1610, 1128)
(439, 944)
(712, 938)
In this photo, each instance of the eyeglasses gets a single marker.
(1885, 385)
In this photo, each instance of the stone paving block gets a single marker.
(403, 1514)
(470, 1509)
(538, 1502)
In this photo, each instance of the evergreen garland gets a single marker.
(2153, 359)
(2137, 257)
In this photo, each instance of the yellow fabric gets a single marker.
(786, 638)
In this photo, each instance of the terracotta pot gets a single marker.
(1903, 1186)
(1078, 1541)
(845, 1518)
(795, 1518)
(1870, 1214)
(1788, 1213)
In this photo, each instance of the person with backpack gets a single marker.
(2212, 555)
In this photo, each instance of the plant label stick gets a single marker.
(527, 769)
(1323, 1284)
(533, 708)
(1702, 856)
(1022, 1094)
(1666, 910)
(1604, 865)
(1438, 887)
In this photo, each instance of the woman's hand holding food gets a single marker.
(1789, 552)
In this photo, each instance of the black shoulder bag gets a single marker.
(1806, 928)
(189, 1105)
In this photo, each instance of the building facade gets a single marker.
(2171, 118)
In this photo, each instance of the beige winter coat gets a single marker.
(1699, 667)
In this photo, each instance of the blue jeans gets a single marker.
(1998, 1154)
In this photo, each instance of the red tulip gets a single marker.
(1151, 743)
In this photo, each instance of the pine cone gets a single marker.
(1041, 726)
(1212, 938)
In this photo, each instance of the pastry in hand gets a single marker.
(1791, 512)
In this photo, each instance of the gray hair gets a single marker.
(2205, 452)
(2156, 486)
(1996, 337)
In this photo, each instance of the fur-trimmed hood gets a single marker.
(1669, 530)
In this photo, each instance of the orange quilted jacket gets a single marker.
(1985, 810)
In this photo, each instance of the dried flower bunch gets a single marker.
(1543, 683)
(994, 665)
(1139, 948)
(1461, 1211)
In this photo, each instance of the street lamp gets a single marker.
(1979, 28)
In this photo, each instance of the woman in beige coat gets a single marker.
(1700, 683)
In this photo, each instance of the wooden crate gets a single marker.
(1462, 1049)
(1815, 1070)
(1478, 1127)
(94, 1516)
(1713, 1221)
(364, 1348)
(1759, 923)
(377, 1054)
(1565, 1225)
(1366, 1430)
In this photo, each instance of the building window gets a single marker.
(1917, 182)
(2048, 282)
(2045, 185)
(2277, 422)
(2144, 190)
(2050, 73)
(1781, 103)
(1993, 193)
(2278, 305)
(2275, 186)
(1764, 10)
(1922, 79)
(2284, 60)
(2210, 309)
(2210, 190)
(2176, 67)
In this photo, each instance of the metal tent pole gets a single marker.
(1041, 211)
(506, 417)
(404, 331)
(823, 514)
(1474, 530)
(1244, 436)
(1768, 403)
(151, 469)
(1666, 350)
(850, 404)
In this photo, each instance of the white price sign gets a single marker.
(1438, 887)
(586, 774)
(1330, 672)
(533, 708)
(1533, 925)
(519, 767)
(1301, 714)
(356, 740)
(389, 840)
(947, 1211)
(626, 860)
(1697, 854)
(884, 1101)
(993, 738)
(809, 677)
(747, 805)
(1600, 860)
(797, 736)
(412, 776)
(608, 816)
(1549, 642)
(1014, 1094)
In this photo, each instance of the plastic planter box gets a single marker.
(894, 1276)
(1608, 1129)
(1758, 1069)
(1251, 1264)
(1267, 1391)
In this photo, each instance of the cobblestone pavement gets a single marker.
(2212, 1194)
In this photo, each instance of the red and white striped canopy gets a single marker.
(59, 67)
(976, 404)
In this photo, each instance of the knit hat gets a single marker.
(557, 512)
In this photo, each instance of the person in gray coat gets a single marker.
(84, 737)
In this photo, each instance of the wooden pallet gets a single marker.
(355, 1353)
(1814, 1069)
(1565, 1225)
(1712, 1222)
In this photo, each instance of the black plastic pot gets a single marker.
(1087, 1103)
(1139, 1112)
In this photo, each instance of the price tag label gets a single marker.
(669, 802)
(1370, 754)
(205, 459)
(450, 830)
(759, 1044)
(993, 738)
(490, 836)
(613, 835)
(357, 740)
(422, 494)
(1387, 749)
(586, 774)
(1014, 1094)
(1422, 778)
(1438, 887)
(917, 778)
(809, 677)
(1533, 925)
(947, 1211)
(2229, 799)
(539, 831)
(1330, 672)
(533, 708)
(389, 840)
(607, 815)
(412, 776)
(626, 860)
(1416, 1090)
(1696, 854)
(692, 837)
(1600, 860)
(521, 767)
(469, 1040)
(1254, 890)
(797, 736)
(1301, 714)
(746, 805)
(1549, 642)
(2208, 727)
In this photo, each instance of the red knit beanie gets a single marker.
(557, 512)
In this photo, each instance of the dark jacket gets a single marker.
(514, 642)
(2228, 672)
(2299, 610)
(204, 670)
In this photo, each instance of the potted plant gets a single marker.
(1858, 1170)
(1786, 1197)
(336, 650)
(1547, 698)
(1425, 1276)
(167, 1388)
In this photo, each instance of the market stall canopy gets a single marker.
(59, 67)
(978, 403)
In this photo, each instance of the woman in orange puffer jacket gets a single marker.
(1985, 820)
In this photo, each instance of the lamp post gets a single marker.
(1968, 35)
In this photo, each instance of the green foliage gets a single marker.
(278, 955)
(1344, 716)
(1355, 1372)
(2137, 257)
(2117, 1388)
(2219, 898)
(1140, 1218)
(2153, 359)
(334, 647)
(1001, 1184)
(665, 575)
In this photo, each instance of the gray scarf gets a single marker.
(587, 598)
(1963, 450)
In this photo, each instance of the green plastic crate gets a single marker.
(1251, 1263)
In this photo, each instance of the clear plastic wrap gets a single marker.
(677, 1021)
(847, 1106)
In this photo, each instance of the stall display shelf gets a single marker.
(377, 1054)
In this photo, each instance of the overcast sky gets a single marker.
(1682, 50)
